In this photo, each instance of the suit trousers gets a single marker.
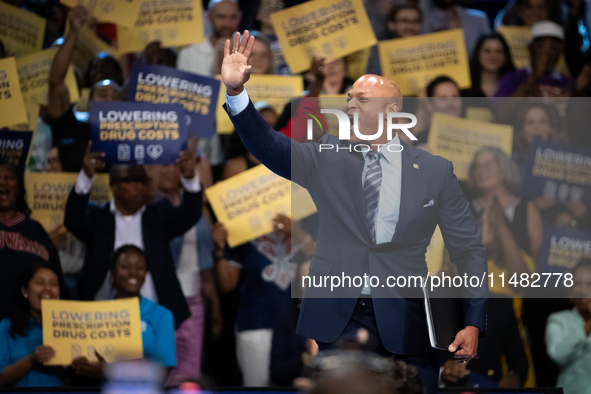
(427, 364)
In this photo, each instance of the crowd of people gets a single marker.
(225, 316)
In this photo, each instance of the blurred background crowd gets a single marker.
(225, 316)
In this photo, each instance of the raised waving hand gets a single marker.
(235, 68)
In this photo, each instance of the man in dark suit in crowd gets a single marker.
(129, 219)
(378, 211)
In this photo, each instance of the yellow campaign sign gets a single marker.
(247, 203)
(517, 38)
(88, 45)
(435, 251)
(33, 72)
(457, 139)
(482, 114)
(120, 12)
(324, 28)
(31, 124)
(21, 31)
(275, 90)
(223, 124)
(12, 106)
(79, 328)
(302, 204)
(47, 194)
(357, 63)
(170, 22)
(413, 62)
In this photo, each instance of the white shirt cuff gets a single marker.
(238, 103)
(84, 183)
(192, 185)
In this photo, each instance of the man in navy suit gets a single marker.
(378, 210)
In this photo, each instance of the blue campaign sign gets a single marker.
(557, 170)
(562, 248)
(14, 147)
(166, 85)
(138, 133)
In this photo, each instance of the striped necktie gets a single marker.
(371, 190)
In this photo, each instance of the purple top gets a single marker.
(556, 85)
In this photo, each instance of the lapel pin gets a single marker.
(415, 165)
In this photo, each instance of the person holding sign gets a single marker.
(23, 241)
(129, 268)
(129, 219)
(22, 353)
(103, 76)
(408, 193)
(546, 45)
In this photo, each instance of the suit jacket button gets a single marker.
(490, 372)
(372, 250)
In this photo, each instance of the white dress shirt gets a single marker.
(197, 59)
(128, 230)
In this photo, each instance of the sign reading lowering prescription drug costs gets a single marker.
(457, 139)
(21, 31)
(558, 171)
(14, 147)
(47, 194)
(562, 248)
(138, 133)
(324, 28)
(172, 23)
(112, 329)
(120, 12)
(414, 61)
(167, 85)
(247, 203)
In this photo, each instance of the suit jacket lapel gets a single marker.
(107, 228)
(411, 180)
(147, 223)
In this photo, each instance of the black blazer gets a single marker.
(95, 226)
(430, 196)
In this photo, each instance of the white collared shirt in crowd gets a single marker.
(128, 230)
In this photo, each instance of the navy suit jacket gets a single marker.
(344, 244)
(95, 226)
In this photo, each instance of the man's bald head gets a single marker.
(370, 99)
(376, 86)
